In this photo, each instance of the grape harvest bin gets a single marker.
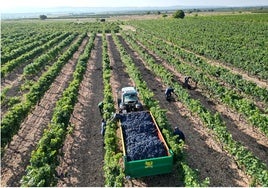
(145, 150)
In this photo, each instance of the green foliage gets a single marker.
(13, 118)
(164, 15)
(44, 160)
(191, 177)
(3, 95)
(47, 43)
(13, 100)
(43, 17)
(227, 95)
(39, 177)
(113, 172)
(253, 166)
(34, 67)
(147, 98)
(179, 14)
(233, 40)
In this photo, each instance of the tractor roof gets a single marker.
(129, 90)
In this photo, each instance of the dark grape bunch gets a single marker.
(140, 136)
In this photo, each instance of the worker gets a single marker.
(103, 127)
(180, 134)
(186, 83)
(100, 105)
(115, 117)
(168, 93)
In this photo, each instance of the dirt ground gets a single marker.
(121, 79)
(17, 154)
(203, 152)
(241, 130)
(81, 162)
(227, 172)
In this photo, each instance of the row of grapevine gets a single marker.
(9, 66)
(225, 38)
(34, 67)
(14, 50)
(222, 74)
(113, 171)
(11, 121)
(226, 95)
(19, 47)
(205, 36)
(50, 26)
(190, 177)
(244, 158)
(44, 160)
(14, 37)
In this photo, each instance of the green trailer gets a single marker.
(134, 168)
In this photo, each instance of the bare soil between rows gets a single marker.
(252, 138)
(16, 80)
(203, 152)
(18, 152)
(82, 159)
(120, 78)
(234, 70)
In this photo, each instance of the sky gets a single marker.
(16, 5)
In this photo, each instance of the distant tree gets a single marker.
(102, 20)
(179, 14)
(43, 17)
(197, 10)
(158, 12)
(164, 15)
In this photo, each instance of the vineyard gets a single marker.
(54, 73)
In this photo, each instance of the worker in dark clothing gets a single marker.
(168, 93)
(180, 134)
(100, 105)
(103, 126)
(116, 117)
(186, 82)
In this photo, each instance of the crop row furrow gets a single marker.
(26, 57)
(18, 49)
(222, 74)
(14, 39)
(33, 69)
(10, 123)
(190, 176)
(218, 39)
(44, 160)
(113, 172)
(228, 96)
(246, 159)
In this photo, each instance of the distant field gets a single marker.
(55, 72)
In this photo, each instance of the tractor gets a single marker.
(129, 100)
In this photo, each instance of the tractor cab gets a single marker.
(129, 100)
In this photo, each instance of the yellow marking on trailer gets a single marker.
(149, 164)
